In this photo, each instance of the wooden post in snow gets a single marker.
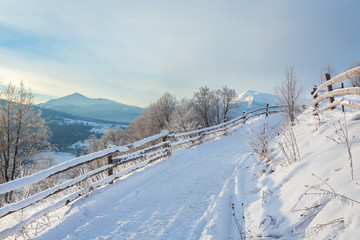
(342, 106)
(312, 92)
(267, 110)
(329, 88)
(164, 139)
(110, 171)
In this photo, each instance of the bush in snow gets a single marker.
(343, 138)
(259, 141)
(288, 144)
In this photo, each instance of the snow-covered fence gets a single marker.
(331, 94)
(120, 161)
(110, 164)
(187, 139)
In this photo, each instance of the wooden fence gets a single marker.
(59, 185)
(331, 94)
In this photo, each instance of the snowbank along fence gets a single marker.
(50, 189)
(332, 93)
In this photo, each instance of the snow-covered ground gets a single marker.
(190, 194)
(173, 199)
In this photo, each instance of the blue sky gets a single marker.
(134, 51)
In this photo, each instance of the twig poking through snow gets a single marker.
(323, 182)
(331, 194)
(313, 231)
(237, 222)
(343, 137)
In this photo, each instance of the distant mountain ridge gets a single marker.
(97, 108)
(251, 100)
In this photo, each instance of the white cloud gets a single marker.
(132, 51)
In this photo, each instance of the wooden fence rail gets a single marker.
(331, 94)
(111, 164)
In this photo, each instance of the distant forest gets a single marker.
(65, 134)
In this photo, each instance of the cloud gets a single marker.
(133, 51)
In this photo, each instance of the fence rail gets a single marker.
(110, 164)
(331, 94)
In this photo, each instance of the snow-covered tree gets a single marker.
(23, 133)
(115, 136)
(154, 119)
(183, 119)
(160, 112)
(202, 104)
(227, 97)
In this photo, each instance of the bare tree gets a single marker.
(355, 81)
(23, 132)
(201, 102)
(227, 97)
(214, 106)
(290, 93)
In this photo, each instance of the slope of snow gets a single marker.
(174, 199)
(190, 195)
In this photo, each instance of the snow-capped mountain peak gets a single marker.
(250, 100)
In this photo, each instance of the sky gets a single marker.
(134, 51)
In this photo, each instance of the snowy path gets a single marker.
(174, 199)
(187, 196)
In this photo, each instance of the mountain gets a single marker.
(95, 108)
(251, 100)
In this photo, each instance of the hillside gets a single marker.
(190, 195)
(69, 129)
(94, 108)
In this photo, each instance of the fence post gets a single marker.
(329, 88)
(110, 171)
(164, 139)
(312, 92)
(342, 106)
(267, 110)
